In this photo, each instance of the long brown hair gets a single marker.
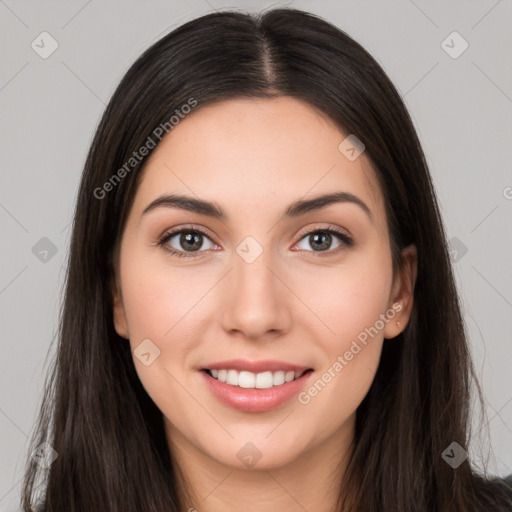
(108, 435)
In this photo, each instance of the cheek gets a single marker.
(163, 305)
(346, 300)
(156, 296)
(349, 305)
(166, 305)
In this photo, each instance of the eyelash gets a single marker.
(346, 240)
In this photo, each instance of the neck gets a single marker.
(311, 481)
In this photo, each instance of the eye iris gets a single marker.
(191, 238)
(316, 237)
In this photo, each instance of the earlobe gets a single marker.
(403, 293)
(119, 314)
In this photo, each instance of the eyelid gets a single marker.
(163, 239)
(327, 228)
(346, 240)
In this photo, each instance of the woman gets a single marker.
(260, 311)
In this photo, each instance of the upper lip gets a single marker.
(267, 365)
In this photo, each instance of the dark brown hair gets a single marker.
(106, 430)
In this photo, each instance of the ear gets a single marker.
(119, 314)
(402, 293)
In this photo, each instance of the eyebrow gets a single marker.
(296, 209)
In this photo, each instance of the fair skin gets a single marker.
(295, 302)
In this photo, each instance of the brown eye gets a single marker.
(191, 241)
(321, 240)
(183, 241)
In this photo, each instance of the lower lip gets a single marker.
(255, 400)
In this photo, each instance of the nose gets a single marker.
(258, 300)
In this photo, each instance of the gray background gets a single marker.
(462, 109)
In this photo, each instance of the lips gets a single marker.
(255, 386)
(255, 366)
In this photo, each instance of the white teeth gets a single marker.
(245, 379)
(232, 378)
(278, 378)
(264, 380)
(249, 380)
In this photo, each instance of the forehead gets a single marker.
(252, 153)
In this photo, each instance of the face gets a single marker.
(268, 287)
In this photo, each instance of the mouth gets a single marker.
(253, 392)
(250, 380)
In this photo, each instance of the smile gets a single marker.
(250, 380)
(253, 392)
